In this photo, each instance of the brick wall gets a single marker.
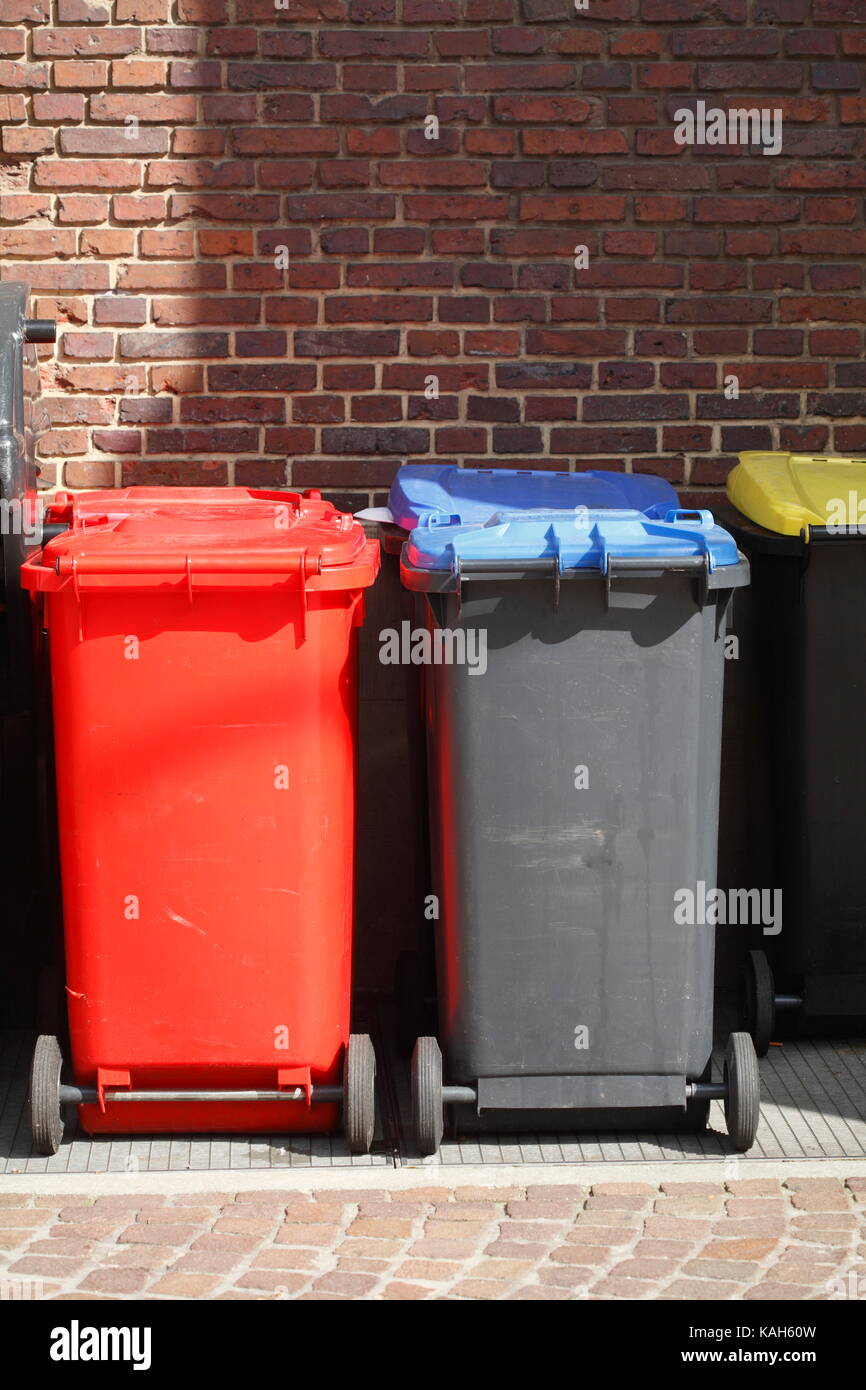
(156, 154)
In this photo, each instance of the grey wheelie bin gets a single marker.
(801, 520)
(573, 684)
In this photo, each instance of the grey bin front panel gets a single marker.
(557, 904)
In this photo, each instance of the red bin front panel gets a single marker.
(205, 731)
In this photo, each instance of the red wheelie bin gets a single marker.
(204, 688)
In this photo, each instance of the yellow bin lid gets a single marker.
(789, 493)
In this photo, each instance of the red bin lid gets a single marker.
(210, 537)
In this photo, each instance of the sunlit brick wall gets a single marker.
(272, 267)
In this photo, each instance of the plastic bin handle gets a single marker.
(234, 562)
(40, 331)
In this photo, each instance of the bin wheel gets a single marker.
(359, 1093)
(46, 1114)
(428, 1113)
(743, 1097)
(758, 1000)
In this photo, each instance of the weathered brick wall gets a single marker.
(157, 153)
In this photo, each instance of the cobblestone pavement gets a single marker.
(754, 1238)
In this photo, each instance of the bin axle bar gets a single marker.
(789, 1001)
(459, 1095)
(87, 1095)
(706, 1090)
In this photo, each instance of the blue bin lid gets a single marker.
(472, 495)
(586, 539)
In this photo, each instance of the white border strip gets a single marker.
(429, 1174)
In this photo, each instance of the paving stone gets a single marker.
(698, 1290)
(355, 1285)
(294, 1234)
(662, 1249)
(135, 1201)
(752, 1248)
(114, 1281)
(456, 1230)
(75, 1249)
(17, 1218)
(533, 1230)
(170, 1216)
(208, 1262)
(285, 1258)
(243, 1226)
(276, 1280)
(390, 1211)
(479, 1289)
(372, 1249)
(774, 1292)
(212, 1240)
(11, 1240)
(429, 1271)
(644, 1269)
(608, 1236)
(567, 1276)
(680, 1227)
(822, 1200)
(410, 1194)
(358, 1264)
(799, 1272)
(406, 1292)
(574, 1254)
(90, 1231)
(211, 1199)
(490, 1194)
(450, 1249)
(690, 1189)
(688, 1206)
(537, 1293)
(516, 1250)
(384, 1230)
(185, 1285)
(51, 1267)
(757, 1208)
(608, 1217)
(746, 1230)
(741, 1270)
(624, 1189)
(814, 1185)
(613, 1287)
(141, 1234)
(506, 1270)
(753, 1187)
(140, 1256)
(616, 1202)
(469, 1211)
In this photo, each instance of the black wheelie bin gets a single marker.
(801, 519)
(573, 689)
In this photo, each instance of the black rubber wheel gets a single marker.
(743, 1099)
(46, 1114)
(359, 1093)
(428, 1112)
(758, 1001)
